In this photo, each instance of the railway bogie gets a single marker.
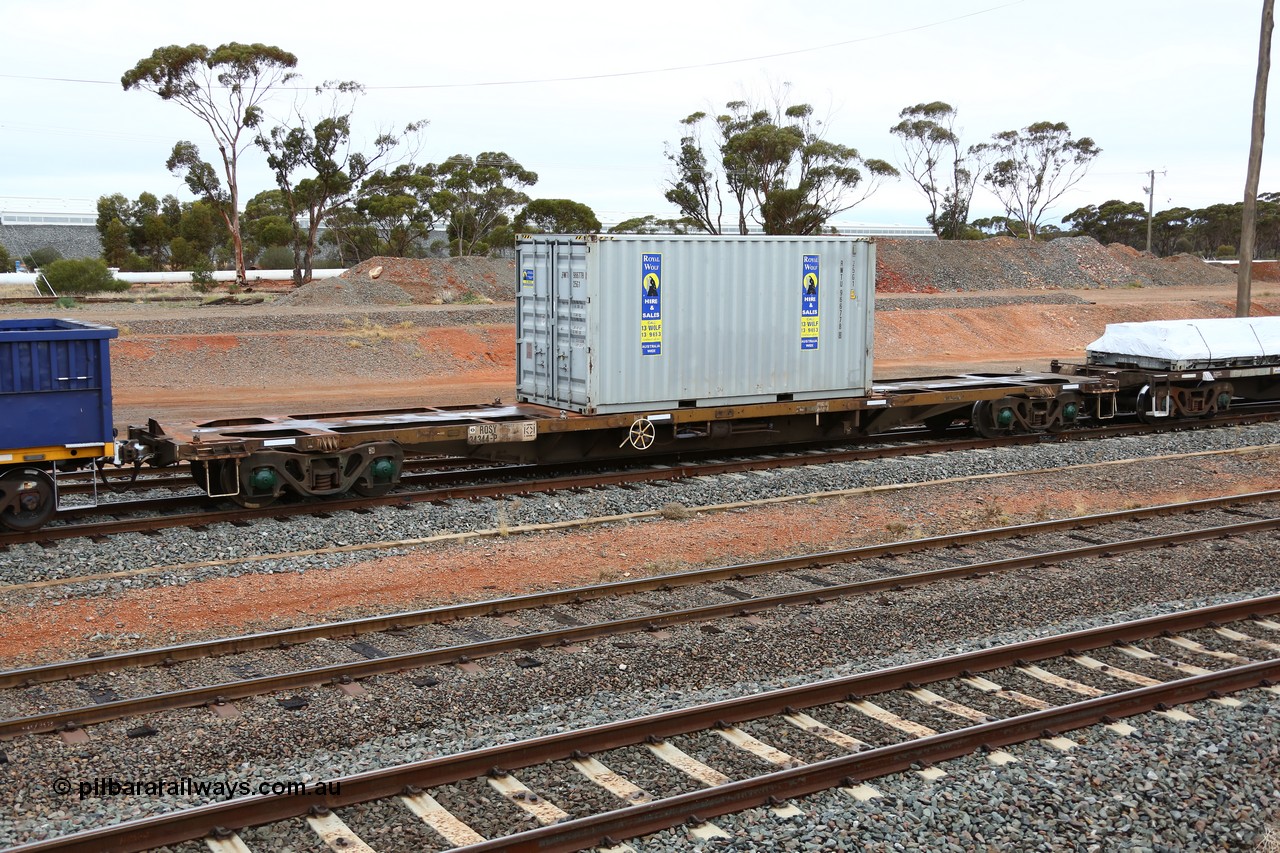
(263, 476)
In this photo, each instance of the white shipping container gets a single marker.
(621, 323)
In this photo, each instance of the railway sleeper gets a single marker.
(259, 479)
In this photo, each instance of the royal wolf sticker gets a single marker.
(810, 278)
(526, 279)
(651, 304)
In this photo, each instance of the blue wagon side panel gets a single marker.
(55, 383)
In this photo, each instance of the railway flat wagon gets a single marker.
(1187, 368)
(55, 400)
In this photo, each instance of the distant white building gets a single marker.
(857, 229)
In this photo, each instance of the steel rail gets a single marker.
(676, 471)
(200, 821)
(166, 655)
(349, 671)
(696, 806)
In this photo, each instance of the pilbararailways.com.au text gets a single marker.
(104, 787)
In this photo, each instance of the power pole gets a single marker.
(1244, 282)
(1151, 202)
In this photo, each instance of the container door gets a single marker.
(551, 331)
(533, 335)
(572, 363)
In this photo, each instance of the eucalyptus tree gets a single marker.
(225, 88)
(771, 168)
(946, 171)
(478, 194)
(317, 166)
(1034, 166)
(557, 216)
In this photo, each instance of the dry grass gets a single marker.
(676, 511)
(1270, 841)
(369, 333)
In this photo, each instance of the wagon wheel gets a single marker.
(123, 486)
(34, 498)
(642, 434)
(378, 478)
(983, 421)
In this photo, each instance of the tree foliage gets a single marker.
(479, 194)
(1034, 166)
(946, 172)
(316, 167)
(224, 88)
(135, 235)
(1113, 221)
(772, 168)
(398, 209)
(652, 225)
(557, 216)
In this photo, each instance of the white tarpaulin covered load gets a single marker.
(1189, 344)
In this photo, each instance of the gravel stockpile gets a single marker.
(329, 291)
(435, 281)
(227, 543)
(1001, 263)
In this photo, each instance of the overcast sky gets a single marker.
(1158, 84)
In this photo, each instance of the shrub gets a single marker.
(276, 258)
(1226, 251)
(134, 262)
(42, 257)
(83, 275)
(202, 280)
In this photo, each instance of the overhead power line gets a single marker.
(616, 74)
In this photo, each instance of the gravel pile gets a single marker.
(435, 281)
(339, 291)
(1003, 263)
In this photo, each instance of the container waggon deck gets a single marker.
(254, 460)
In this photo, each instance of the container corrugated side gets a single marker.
(55, 383)
(641, 322)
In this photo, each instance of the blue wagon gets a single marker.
(55, 411)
